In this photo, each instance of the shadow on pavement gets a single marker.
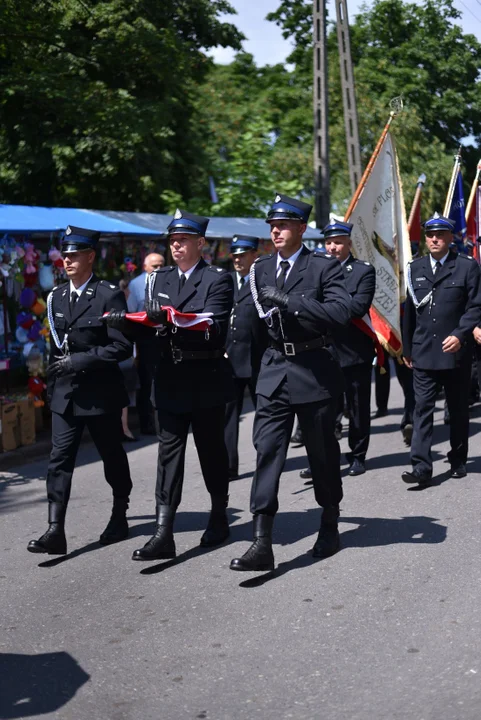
(33, 685)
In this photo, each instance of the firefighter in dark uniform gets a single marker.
(85, 388)
(354, 348)
(303, 297)
(443, 307)
(242, 345)
(192, 381)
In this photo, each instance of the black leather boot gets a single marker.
(117, 528)
(53, 541)
(328, 542)
(217, 530)
(297, 440)
(259, 556)
(161, 545)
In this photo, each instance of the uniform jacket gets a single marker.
(455, 309)
(97, 386)
(352, 345)
(193, 384)
(318, 304)
(243, 344)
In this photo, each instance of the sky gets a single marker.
(265, 41)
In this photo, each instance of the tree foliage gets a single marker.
(97, 98)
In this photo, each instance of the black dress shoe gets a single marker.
(161, 545)
(380, 412)
(458, 471)
(306, 474)
(52, 542)
(416, 477)
(117, 528)
(357, 467)
(328, 542)
(217, 530)
(297, 440)
(407, 432)
(259, 557)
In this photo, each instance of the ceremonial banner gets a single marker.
(189, 321)
(457, 209)
(414, 222)
(380, 236)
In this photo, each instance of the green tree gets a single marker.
(97, 99)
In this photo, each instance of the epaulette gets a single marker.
(466, 257)
(106, 284)
(362, 262)
(214, 268)
(263, 257)
(320, 254)
(416, 259)
(169, 268)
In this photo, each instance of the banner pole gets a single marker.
(397, 106)
(452, 183)
(417, 199)
(472, 194)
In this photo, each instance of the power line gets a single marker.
(470, 11)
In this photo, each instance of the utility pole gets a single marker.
(348, 95)
(321, 128)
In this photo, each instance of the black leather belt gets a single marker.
(178, 355)
(289, 349)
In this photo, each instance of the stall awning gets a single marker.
(219, 227)
(30, 219)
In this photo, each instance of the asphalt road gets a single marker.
(388, 628)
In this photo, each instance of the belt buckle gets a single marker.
(289, 349)
(177, 355)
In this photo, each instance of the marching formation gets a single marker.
(293, 327)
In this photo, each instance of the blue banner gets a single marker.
(457, 211)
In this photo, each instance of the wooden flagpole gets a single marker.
(472, 194)
(396, 107)
(417, 199)
(452, 184)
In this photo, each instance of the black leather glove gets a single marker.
(155, 312)
(60, 367)
(273, 295)
(116, 320)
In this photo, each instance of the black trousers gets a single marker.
(233, 412)
(383, 386)
(106, 432)
(145, 369)
(358, 396)
(208, 431)
(456, 385)
(272, 431)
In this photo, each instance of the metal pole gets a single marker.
(321, 127)
(348, 95)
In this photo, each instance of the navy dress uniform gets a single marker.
(356, 350)
(192, 383)
(243, 347)
(85, 388)
(304, 302)
(444, 299)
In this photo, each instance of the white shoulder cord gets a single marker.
(267, 316)
(62, 346)
(417, 303)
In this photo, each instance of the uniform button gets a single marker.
(234, 341)
(434, 304)
(70, 329)
(434, 335)
(296, 313)
(434, 319)
(234, 328)
(302, 295)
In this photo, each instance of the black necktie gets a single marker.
(182, 280)
(437, 266)
(281, 278)
(241, 282)
(73, 298)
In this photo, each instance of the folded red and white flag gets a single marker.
(190, 321)
(364, 324)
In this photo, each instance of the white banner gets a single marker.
(380, 236)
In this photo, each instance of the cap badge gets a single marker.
(277, 198)
(177, 215)
(436, 215)
(234, 239)
(68, 231)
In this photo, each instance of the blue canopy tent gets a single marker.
(28, 219)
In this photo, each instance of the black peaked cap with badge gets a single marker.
(337, 228)
(287, 208)
(438, 222)
(187, 223)
(243, 243)
(77, 239)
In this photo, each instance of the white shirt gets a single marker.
(189, 272)
(80, 289)
(291, 260)
(433, 261)
(244, 278)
